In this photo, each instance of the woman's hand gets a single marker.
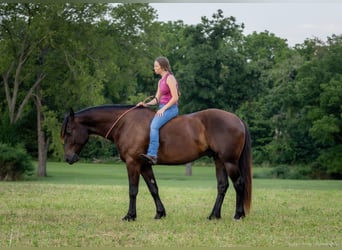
(142, 104)
(160, 112)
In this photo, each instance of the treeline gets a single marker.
(57, 56)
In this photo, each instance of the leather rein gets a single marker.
(123, 114)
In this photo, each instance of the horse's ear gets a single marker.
(71, 114)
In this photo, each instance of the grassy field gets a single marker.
(82, 205)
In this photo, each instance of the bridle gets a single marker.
(124, 113)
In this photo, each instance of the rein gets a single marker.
(123, 114)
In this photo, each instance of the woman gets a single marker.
(167, 97)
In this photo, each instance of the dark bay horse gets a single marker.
(212, 132)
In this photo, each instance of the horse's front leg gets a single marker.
(133, 170)
(151, 182)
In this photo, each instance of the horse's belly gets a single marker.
(182, 144)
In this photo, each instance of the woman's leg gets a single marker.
(156, 124)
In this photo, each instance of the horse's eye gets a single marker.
(68, 130)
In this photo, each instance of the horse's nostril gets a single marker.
(71, 158)
(75, 158)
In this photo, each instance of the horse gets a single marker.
(216, 133)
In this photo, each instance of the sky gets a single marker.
(292, 21)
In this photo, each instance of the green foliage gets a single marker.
(22, 132)
(99, 150)
(280, 151)
(52, 127)
(7, 130)
(291, 172)
(211, 64)
(323, 130)
(297, 116)
(327, 123)
(15, 163)
(321, 94)
(329, 163)
(271, 68)
(131, 39)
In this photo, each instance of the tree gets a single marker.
(320, 81)
(38, 49)
(20, 45)
(272, 68)
(171, 42)
(212, 68)
(17, 47)
(131, 32)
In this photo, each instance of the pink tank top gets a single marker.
(165, 90)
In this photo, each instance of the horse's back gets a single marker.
(220, 121)
(213, 120)
(201, 133)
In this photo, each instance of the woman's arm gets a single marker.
(156, 98)
(154, 101)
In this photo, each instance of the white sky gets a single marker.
(292, 21)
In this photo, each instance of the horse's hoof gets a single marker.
(129, 217)
(160, 215)
(239, 216)
(214, 217)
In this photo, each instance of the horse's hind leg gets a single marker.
(147, 174)
(239, 186)
(222, 186)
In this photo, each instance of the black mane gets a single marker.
(106, 106)
(93, 108)
(64, 125)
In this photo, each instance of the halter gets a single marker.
(123, 114)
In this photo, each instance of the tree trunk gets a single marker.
(188, 169)
(43, 143)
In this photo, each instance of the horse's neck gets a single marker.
(104, 122)
(96, 122)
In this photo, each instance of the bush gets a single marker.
(15, 163)
(329, 163)
(282, 172)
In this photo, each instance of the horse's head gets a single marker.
(75, 136)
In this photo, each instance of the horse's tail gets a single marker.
(245, 166)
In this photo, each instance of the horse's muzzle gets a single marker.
(71, 159)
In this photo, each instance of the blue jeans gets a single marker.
(156, 124)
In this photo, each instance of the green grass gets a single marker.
(82, 205)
